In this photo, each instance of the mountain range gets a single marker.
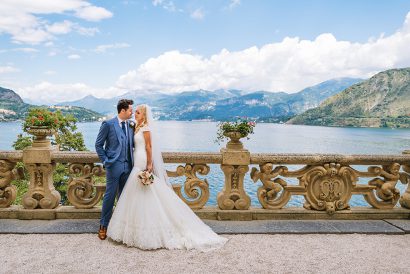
(12, 107)
(223, 104)
(381, 101)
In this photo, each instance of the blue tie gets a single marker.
(123, 128)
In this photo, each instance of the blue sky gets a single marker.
(58, 50)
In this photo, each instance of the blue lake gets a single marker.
(177, 136)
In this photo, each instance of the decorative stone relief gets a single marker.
(196, 189)
(41, 192)
(82, 191)
(233, 195)
(8, 192)
(405, 179)
(329, 186)
(272, 186)
(385, 187)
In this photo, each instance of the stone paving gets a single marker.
(75, 226)
(244, 253)
(268, 246)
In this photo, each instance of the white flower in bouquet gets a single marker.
(146, 177)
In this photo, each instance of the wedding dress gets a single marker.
(153, 216)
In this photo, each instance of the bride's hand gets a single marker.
(150, 167)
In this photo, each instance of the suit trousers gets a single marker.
(117, 175)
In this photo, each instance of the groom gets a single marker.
(114, 145)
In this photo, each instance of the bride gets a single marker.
(153, 216)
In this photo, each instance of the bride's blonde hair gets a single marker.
(143, 109)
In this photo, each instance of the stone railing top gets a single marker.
(11, 155)
(309, 158)
(256, 158)
(216, 158)
(169, 157)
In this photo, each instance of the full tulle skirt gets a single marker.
(153, 216)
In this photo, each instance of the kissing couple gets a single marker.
(147, 215)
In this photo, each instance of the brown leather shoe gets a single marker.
(102, 232)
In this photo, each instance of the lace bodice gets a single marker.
(140, 153)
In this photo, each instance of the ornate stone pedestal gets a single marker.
(37, 159)
(235, 164)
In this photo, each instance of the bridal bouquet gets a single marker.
(146, 177)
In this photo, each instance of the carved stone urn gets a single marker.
(40, 133)
(234, 142)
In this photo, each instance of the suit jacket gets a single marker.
(110, 141)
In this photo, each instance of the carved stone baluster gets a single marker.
(235, 164)
(196, 189)
(405, 179)
(385, 189)
(82, 192)
(8, 192)
(272, 186)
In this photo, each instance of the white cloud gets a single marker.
(86, 31)
(288, 65)
(52, 53)
(73, 56)
(8, 69)
(167, 5)
(92, 13)
(104, 48)
(234, 3)
(49, 93)
(25, 20)
(60, 27)
(198, 14)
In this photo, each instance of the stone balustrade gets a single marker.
(327, 181)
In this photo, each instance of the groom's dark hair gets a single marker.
(124, 104)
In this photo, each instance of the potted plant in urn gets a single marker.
(234, 131)
(41, 123)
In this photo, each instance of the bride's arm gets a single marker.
(148, 148)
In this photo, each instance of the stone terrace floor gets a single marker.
(260, 247)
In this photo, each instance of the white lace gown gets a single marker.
(153, 216)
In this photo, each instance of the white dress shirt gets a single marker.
(126, 124)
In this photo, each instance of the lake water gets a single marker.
(177, 136)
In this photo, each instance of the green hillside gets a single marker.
(381, 101)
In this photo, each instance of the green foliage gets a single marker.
(22, 142)
(22, 188)
(60, 178)
(21, 184)
(67, 137)
(243, 126)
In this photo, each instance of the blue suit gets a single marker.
(115, 150)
